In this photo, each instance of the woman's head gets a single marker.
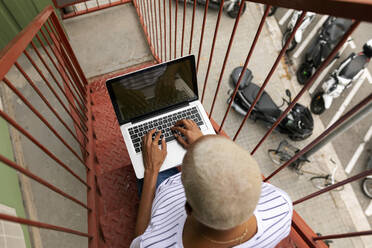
(222, 182)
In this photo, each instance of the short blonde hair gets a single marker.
(222, 182)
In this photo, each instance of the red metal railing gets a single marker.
(338, 8)
(44, 40)
(45, 35)
(82, 7)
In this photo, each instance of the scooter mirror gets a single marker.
(288, 93)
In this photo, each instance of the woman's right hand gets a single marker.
(189, 129)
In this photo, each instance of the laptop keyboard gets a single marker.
(164, 124)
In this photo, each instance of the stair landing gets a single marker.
(118, 201)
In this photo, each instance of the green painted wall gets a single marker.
(10, 192)
(16, 15)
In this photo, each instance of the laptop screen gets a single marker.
(147, 91)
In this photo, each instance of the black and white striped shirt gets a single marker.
(168, 216)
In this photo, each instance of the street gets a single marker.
(352, 147)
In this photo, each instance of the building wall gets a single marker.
(16, 15)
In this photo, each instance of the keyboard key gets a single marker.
(136, 140)
(137, 145)
(138, 149)
(170, 138)
(200, 123)
(134, 136)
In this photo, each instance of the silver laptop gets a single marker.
(157, 97)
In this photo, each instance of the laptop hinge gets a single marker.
(159, 112)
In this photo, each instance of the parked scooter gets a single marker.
(349, 70)
(272, 10)
(291, 24)
(367, 182)
(231, 6)
(298, 124)
(328, 37)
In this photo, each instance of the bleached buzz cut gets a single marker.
(222, 182)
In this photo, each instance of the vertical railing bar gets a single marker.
(227, 56)
(43, 148)
(86, 7)
(212, 48)
(97, 3)
(310, 81)
(82, 117)
(74, 8)
(50, 86)
(40, 180)
(183, 26)
(83, 109)
(343, 235)
(271, 72)
(76, 71)
(322, 135)
(149, 21)
(161, 41)
(71, 74)
(110, 2)
(165, 32)
(143, 13)
(71, 69)
(170, 29)
(144, 16)
(152, 28)
(79, 92)
(156, 48)
(28, 104)
(202, 33)
(29, 80)
(175, 29)
(259, 29)
(52, 29)
(64, 40)
(41, 225)
(156, 32)
(192, 27)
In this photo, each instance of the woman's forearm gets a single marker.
(144, 211)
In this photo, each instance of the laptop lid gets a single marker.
(154, 89)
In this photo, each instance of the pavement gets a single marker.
(352, 146)
(112, 39)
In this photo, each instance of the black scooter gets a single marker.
(328, 37)
(231, 6)
(298, 124)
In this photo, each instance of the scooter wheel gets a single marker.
(293, 43)
(233, 9)
(299, 137)
(304, 73)
(272, 11)
(317, 103)
(367, 187)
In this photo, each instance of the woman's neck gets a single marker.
(219, 238)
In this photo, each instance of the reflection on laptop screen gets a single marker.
(153, 89)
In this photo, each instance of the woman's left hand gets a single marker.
(153, 156)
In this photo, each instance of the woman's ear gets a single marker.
(188, 208)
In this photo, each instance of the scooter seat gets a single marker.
(265, 105)
(352, 69)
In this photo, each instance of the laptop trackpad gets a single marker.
(175, 154)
